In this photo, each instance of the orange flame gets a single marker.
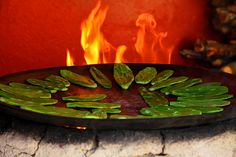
(119, 54)
(92, 39)
(69, 59)
(148, 40)
(149, 43)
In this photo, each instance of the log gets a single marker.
(224, 17)
(216, 53)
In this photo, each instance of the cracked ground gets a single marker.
(20, 138)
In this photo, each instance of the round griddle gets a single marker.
(130, 99)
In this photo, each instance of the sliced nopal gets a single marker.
(178, 111)
(58, 79)
(92, 105)
(20, 102)
(100, 113)
(100, 77)
(185, 84)
(123, 75)
(146, 75)
(168, 82)
(153, 112)
(152, 98)
(25, 92)
(200, 103)
(85, 97)
(120, 116)
(206, 97)
(208, 109)
(167, 111)
(208, 84)
(43, 101)
(22, 85)
(46, 84)
(51, 110)
(209, 90)
(164, 75)
(78, 79)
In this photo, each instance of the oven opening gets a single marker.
(49, 34)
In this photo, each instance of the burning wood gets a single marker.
(225, 17)
(224, 20)
(211, 51)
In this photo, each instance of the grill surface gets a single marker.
(130, 99)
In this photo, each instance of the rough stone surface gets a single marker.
(20, 138)
(204, 141)
(128, 143)
(65, 142)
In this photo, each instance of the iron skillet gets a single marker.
(130, 99)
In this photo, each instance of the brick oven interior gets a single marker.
(36, 34)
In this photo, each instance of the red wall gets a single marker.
(35, 33)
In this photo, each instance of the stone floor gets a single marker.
(20, 138)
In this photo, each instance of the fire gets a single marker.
(119, 53)
(149, 45)
(69, 59)
(92, 40)
(149, 41)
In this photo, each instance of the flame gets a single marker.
(149, 42)
(119, 54)
(69, 59)
(92, 40)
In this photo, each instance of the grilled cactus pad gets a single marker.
(167, 111)
(162, 76)
(123, 75)
(92, 105)
(65, 112)
(100, 78)
(193, 96)
(209, 90)
(85, 97)
(58, 80)
(46, 84)
(42, 101)
(20, 102)
(22, 85)
(30, 93)
(78, 79)
(168, 82)
(146, 75)
(152, 98)
(168, 90)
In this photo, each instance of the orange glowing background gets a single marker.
(37, 33)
